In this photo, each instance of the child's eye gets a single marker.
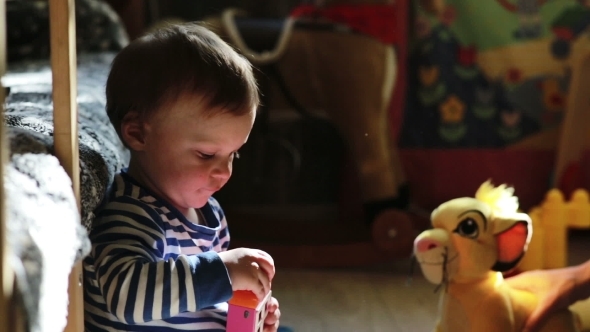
(204, 155)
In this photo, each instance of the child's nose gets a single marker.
(424, 245)
(222, 170)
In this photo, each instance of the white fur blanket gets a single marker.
(46, 234)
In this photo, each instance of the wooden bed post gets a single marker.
(6, 273)
(65, 119)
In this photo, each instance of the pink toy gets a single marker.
(246, 313)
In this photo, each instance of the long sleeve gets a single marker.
(139, 282)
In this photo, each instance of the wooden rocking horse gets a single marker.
(339, 75)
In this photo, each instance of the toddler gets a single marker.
(183, 102)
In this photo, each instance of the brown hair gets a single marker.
(155, 69)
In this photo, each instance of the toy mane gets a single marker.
(500, 198)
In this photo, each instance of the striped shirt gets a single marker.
(150, 269)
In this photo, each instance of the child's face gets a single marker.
(185, 156)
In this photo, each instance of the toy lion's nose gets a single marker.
(426, 244)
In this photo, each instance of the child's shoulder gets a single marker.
(130, 206)
(127, 195)
(128, 211)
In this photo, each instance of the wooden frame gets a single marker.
(63, 64)
(12, 319)
(65, 122)
(6, 273)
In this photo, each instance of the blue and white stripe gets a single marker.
(150, 269)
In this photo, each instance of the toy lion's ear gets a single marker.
(512, 237)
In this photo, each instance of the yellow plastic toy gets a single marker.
(473, 241)
(554, 217)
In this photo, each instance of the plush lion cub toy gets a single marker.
(472, 242)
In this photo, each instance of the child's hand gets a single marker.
(553, 288)
(249, 269)
(271, 323)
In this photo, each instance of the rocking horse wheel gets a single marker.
(393, 232)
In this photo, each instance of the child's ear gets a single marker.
(132, 131)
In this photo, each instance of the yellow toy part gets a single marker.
(554, 216)
(474, 240)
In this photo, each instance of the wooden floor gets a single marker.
(372, 299)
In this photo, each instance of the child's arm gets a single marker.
(583, 282)
(556, 289)
(138, 285)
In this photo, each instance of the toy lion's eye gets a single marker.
(468, 228)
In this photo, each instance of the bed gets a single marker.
(47, 211)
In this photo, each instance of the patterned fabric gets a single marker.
(98, 29)
(29, 107)
(44, 229)
(492, 74)
(139, 239)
